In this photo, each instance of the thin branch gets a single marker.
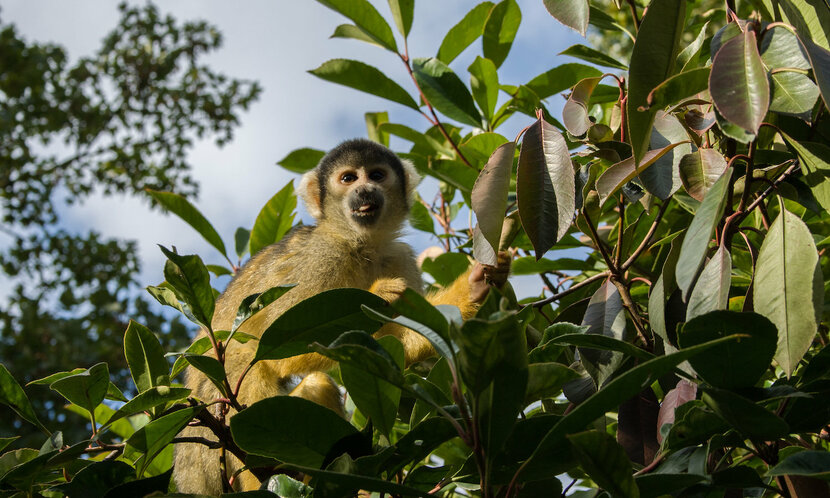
(598, 242)
(571, 289)
(647, 240)
(200, 440)
(629, 305)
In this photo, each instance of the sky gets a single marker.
(276, 42)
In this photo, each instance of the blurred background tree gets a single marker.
(116, 122)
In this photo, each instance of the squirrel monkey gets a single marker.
(360, 195)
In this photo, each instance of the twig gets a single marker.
(200, 440)
(570, 290)
(647, 240)
(598, 242)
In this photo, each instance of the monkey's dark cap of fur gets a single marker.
(359, 152)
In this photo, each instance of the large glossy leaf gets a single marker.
(361, 351)
(500, 30)
(660, 294)
(489, 202)
(545, 187)
(679, 87)
(151, 439)
(301, 160)
(363, 77)
(811, 17)
(190, 281)
(561, 78)
(688, 58)
(788, 287)
(593, 56)
(211, 368)
(402, 13)
(545, 380)
(573, 14)
(145, 357)
(606, 462)
(86, 389)
(735, 364)
(182, 208)
(682, 393)
(575, 112)
(445, 91)
(711, 291)
(804, 463)
(626, 170)
(480, 147)
(700, 170)
(320, 318)
(367, 18)
(305, 444)
(699, 233)
(652, 62)
(274, 219)
(464, 33)
(820, 62)
(605, 316)
(738, 82)
(149, 399)
(615, 392)
(12, 395)
(375, 398)
(484, 81)
(815, 165)
(662, 178)
(746, 417)
(255, 303)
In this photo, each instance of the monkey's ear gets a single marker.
(412, 180)
(309, 192)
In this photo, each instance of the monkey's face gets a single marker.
(368, 197)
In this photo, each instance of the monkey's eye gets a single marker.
(348, 177)
(377, 175)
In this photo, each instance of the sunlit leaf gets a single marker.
(605, 316)
(575, 112)
(500, 30)
(811, 17)
(593, 56)
(149, 399)
(561, 78)
(12, 395)
(484, 81)
(150, 440)
(738, 82)
(700, 170)
(624, 171)
(711, 291)
(814, 158)
(820, 62)
(489, 202)
(274, 220)
(465, 32)
(363, 77)
(573, 14)
(145, 357)
(662, 178)
(301, 160)
(402, 13)
(679, 87)
(189, 279)
(445, 91)
(367, 18)
(86, 389)
(182, 208)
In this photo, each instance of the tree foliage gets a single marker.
(683, 354)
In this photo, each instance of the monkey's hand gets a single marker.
(388, 289)
(482, 277)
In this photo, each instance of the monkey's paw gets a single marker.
(388, 289)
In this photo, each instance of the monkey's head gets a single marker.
(360, 186)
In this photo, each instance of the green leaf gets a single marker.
(662, 178)
(700, 170)
(301, 160)
(679, 87)
(789, 287)
(416, 137)
(363, 77)
(573, 14)
(810, 17)
(711, 291)
(489, 203)
(624, 171)
(803, 463)
(210, 366)
(86, 389)
(480, 147)
(605, 316)
(528, 265)
(241, 238)
(500, 31)
(355, 33)
(815, 165)
(652, 62)
(735, 364)
(6, 441)
(150, 440)
(575, 112)
(746, 417)
(402, 13)
(146, 401)
(738, 82)
(446, 267)
(690, 55)
(374, 397)
(219, 271)
(820, 62)
(182, 208)
(305, 444)
(12, 395)
(602, 342)
(613, 393)
(445, 91)
(465, 32)
(190, 280)
(421, 219)
(545, 380)
(593, 56)
(661, 293)
(545, 186)
(361, 351)
(367, 18)
(354, 482)
(699, 233)
(792, 93)
(255, 303)
(97, 478)
(274, 220)
(203, 345)
(606, 462)
(145, 357)
(561, 78)
(484, 81)
(373, 122)
(320, 318)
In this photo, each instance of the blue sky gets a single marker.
(276, 42)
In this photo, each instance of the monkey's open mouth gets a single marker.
(366, 206)
(366, 212)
